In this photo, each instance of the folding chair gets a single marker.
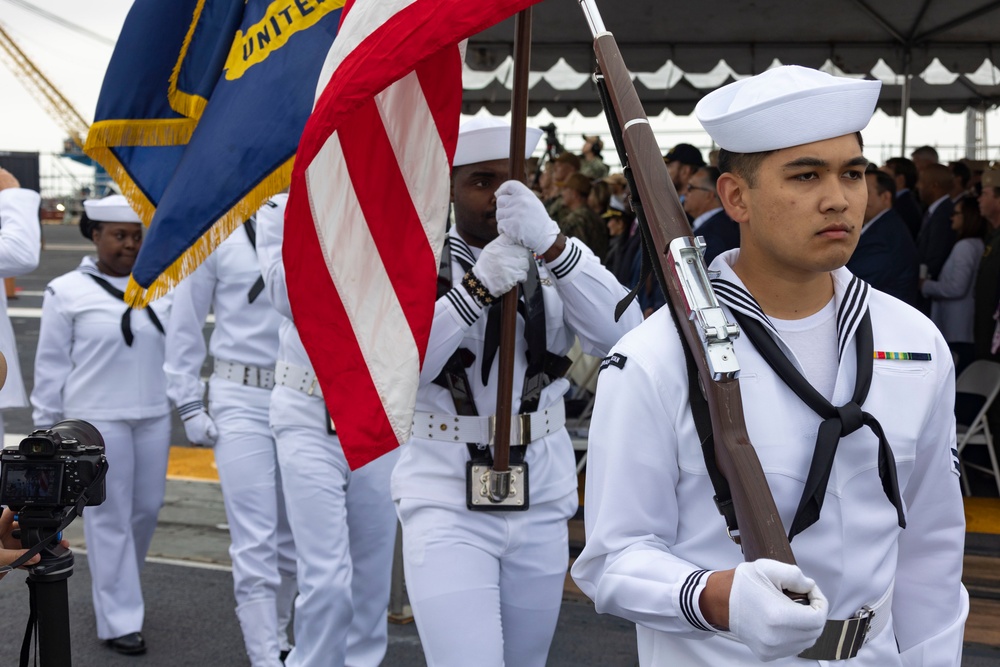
(980, 378)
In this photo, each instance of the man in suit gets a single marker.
(886, 257)
(904, 172)
(702, 204)
(936, 236)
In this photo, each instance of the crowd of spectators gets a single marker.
(930, 237)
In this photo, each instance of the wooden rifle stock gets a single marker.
(761, 533)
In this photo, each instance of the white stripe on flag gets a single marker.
(365, 17)
(363, 285)
(420, 153)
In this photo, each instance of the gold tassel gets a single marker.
(139, 297)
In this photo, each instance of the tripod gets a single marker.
(47, 584)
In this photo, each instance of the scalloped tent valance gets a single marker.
(673, 48)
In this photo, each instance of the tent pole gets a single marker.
(905, 102)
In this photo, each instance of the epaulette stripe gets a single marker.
(188, 408)
(463, 309)
(855, 314)
(460, 247)
(688, 589)
(562, 269)
(740, 299)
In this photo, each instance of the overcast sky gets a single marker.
(75, 64)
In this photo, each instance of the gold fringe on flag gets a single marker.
(105, 135)
(186, 104)
(139, 297)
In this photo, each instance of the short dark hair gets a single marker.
(962, 171)
(973, 224)
(904, 167)
(883, 181)
(711, 173)
(926, 152)
(746, 165)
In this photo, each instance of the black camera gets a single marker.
(52, 467)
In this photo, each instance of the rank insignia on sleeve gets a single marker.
(956, 466)
(617, 360)
(902, 356)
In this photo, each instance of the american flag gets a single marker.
(366, 213)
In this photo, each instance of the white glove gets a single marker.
(200, 429)
(770, 623)
(522, 216)
(502, 264)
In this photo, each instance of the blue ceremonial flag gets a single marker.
(200, 116)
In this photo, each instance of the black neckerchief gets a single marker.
(838, 422)
(258, 285)
(127, 315)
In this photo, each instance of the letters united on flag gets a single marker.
(367, 208)
(199, 118)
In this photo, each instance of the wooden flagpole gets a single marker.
(500, 475)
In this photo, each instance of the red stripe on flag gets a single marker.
(394, 49)
(326, 332)
(392, 220)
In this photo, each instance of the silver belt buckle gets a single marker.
(520, 430)
(841, 640)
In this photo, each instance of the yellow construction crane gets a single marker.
(58, 107)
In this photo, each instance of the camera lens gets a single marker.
(83, 432)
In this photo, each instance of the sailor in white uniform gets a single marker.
(100, 361)
(20, 245)
(657, 550)
(342, 520)
(486, 586)
(244, 345)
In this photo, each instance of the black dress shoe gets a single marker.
(130, 644)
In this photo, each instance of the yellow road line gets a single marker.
(192, 464)
(197, 464)
(982, 515)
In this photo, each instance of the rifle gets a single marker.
(679, 266)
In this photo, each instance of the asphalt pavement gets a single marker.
(187, 581)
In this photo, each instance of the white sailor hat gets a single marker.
(487, 138)
(786, 106)
(113, 208)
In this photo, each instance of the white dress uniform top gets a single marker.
(20, 244)
(85, 370)
(647, 477)
(486, 587)
(244, 345)
(342, 520)
(655, 539)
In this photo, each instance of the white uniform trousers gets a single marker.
(118, 532)
(261, 547)
(345, 530)
(485, 587)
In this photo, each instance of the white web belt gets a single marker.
(525, 428)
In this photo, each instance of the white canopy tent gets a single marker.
(930, 54)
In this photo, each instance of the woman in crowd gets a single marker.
(100, 361)
(951, 295)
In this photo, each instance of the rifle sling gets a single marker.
(703, 424)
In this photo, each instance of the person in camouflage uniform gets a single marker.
(578, 219)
